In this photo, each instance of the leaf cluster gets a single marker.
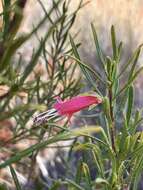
(118, 164)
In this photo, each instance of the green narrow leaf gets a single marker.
(73, 184)
(55, 186)
(18, 156)
(132, 60)
(86, 172)
(84, 70)
(137, 120)
(129, 82)
(109, 67)
(97, 156)
(114, 46)
(121, 171)
(120, 47)
(134, 141)
(60, 137)
(124, 146)
(34, 60)
(6, 16)
(13, 173)
(137, 151)
(74, 48)
(106, 109)
(130, 103)
(99, 51)
(86, 67)
(134, 64)
(137, 172)
(102, 181)
(78, 172)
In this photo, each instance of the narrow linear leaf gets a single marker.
(18, 156)
(137, 120)
(114, 46)
(137, 172)
(134, 64)
(133, 59)
(120, 48)
(86, 172)
(85, 72)
(75, 185)
(99, 51)
(6, 16)
(98, 160)
(102, 181)
(127, 85)
(130, 103)
(33, 62)
(74, 48)
(78, 172)
(13, 173)
(55, 186)
(64, 136)
(81, 63)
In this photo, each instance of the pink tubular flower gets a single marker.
(75, 104)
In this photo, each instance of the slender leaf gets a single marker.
(99, 51)
(13, 173)
(86, 73)
(86, 172)
(130, 104)
(127, 85)
(74, 184)
(114, 43)
(133, 59)
(78, 172)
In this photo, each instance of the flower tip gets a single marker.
(98, 98)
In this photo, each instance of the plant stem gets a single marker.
(112, 127)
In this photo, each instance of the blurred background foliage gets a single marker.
(33, 72)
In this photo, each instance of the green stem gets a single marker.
(112, 126)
